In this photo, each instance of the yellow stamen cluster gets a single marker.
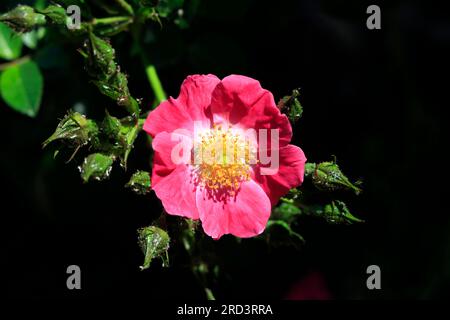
(222, 160)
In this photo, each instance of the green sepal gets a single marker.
(327, 176)
(96, 166)
(140, 182)
(76, 130)
(335, 212)
(154, 242)
(56, 14)
(23, 18)
(101, 57)
(291, 106)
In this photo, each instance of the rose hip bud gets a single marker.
(23, 19)
(328, 177)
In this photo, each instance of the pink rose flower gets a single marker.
(222, 154)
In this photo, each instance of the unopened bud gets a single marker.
(154, 242)
(140, 182)
(327, 176)
(75, 129)
(290, 105)
(23, 18)
(96, 166)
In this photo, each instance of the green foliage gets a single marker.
(279, 230)
(325, 176)
(107, 75)
(112, 138)
(23, 18)
(335, 212)
(287, 212)
(154, 243)
(140, 182)
(96, 166)
(10, 43)
(21, 87)
(75, 130)
(279, 233)
(166, 7)
(328, 177)
(291, 106)
(120, 135)
(31, 38)
(56, 14)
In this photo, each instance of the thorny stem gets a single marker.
(16, 62)
(125, 6)
(153, 79)
(110, 20)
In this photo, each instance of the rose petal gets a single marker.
(195, 96)
(164, 144)
(244, 216)
(177, 193)
(290, 173)
(191, 105)
(241, 101)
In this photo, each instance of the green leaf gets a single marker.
(291, 106)
(279, 233)
(140, 182)
(21, 87)
(154, 242)
(327, 176)
(10, 43)
(286, 212)
(96, 166)
(279, 230)
(30, 39)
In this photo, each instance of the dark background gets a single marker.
(372, 98)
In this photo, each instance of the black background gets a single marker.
(372, 98)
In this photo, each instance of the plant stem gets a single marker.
(125, 5)
(153, 79)
(110, 20)
(16, 62)
(209, 294)
(141, 122)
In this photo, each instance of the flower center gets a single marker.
(222, 160)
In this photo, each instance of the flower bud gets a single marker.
(154, 242)
(56, 14)
(75, 129)
(96, 166)
(336, 212)
(101, 57)
(290, 105)
(327, 176)
(140, 182)
(23, 18)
